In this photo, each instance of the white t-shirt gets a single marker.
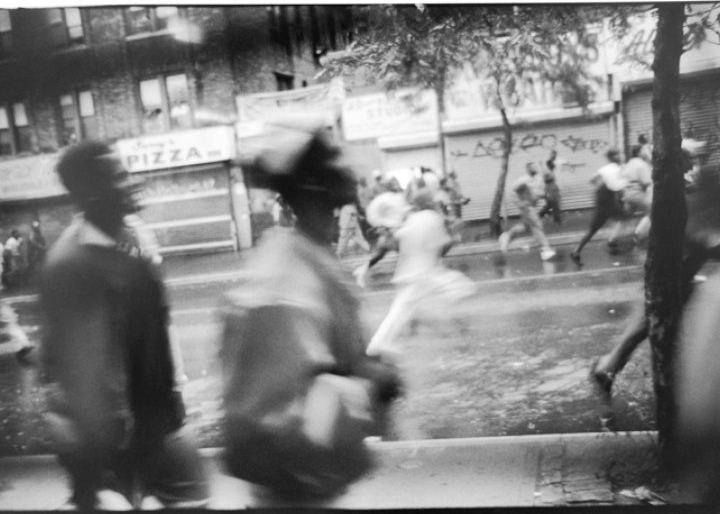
(420, 241)
(12, 245)
(638, 170)
(529, 188)
(612, 176)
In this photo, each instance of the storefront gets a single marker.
(192, 197)
(699, 75)
(474, 152)
(31, 190)
(403, 125)
(699, 111)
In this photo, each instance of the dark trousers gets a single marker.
(171, 470)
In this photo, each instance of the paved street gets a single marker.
(519, 366)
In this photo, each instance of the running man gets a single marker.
(528, 190)
(610, 183)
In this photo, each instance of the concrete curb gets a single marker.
(511, 471)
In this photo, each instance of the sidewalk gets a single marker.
(524, 471)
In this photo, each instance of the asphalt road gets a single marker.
(519, 366)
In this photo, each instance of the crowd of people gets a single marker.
(22, 256)
(302, 388)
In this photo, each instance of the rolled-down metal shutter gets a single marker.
(428, 156)
(189, 209)
(476, 159)
(699, 113)
(637, 113)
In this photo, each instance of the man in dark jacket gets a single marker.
(114, 411)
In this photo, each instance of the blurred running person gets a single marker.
(609, 183)
(385, 213)
(552, 191)
(702, 242)
(637, 195)
(12, 332)
(528, 190)
(421, 280)
(350, 231)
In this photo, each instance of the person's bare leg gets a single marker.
(635, 333)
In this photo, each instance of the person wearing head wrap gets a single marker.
(293, 320)
(115, 413)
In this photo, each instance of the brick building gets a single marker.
(113, 73)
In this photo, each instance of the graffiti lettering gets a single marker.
(578, 143)
(529, 143)
(547, 142)
(493, 149)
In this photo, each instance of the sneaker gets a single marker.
(548, 254)
(575, 257)
(359, 274)
(504, 241)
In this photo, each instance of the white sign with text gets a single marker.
(388, 114)
(172, 150)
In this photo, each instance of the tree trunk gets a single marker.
(495, 223)
(663, 269)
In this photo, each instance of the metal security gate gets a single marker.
(428, 156)
(580, 144)
(189, 209)
(699, 113)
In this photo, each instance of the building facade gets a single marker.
(129, 73)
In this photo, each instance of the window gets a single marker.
(6, 40)
(165, 103)
(285, 82)
(66, 26)
(15, 131)
(77, 111)
(148, 19)
(23, 135)
(6, 144)
(280, 27)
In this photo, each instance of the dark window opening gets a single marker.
(285, 82)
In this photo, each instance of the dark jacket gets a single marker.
(106, 346)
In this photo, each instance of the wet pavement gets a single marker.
(516, 364)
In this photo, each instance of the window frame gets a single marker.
(64, 38)
(167, 123)
(156, 22)
(13, 129)
(6, 37)
(78, 119)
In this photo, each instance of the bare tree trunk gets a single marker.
(495, 223)
(663, 269)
